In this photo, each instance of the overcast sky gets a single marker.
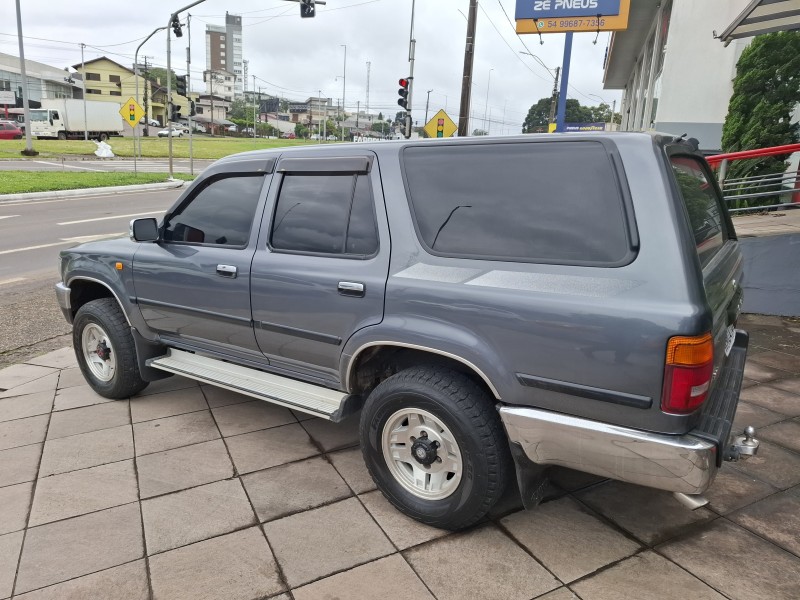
(296, 57)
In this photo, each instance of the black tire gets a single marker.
(469, 414)
(62, 136)
(103, 137)
(106, 315)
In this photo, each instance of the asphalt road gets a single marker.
(31, 235)
(126, 165)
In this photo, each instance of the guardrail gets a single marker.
(783, 187)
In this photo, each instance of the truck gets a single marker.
(488, 308)
(64, 119)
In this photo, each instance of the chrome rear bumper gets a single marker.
(685, 464)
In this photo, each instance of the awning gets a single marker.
(763, 16)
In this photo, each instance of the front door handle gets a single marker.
(351, 288)
(227, 271)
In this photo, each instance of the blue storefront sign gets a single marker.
(550, 9)
(584, 127)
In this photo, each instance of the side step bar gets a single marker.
(297, 395)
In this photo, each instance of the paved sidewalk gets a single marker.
(194, 492)
(771, 223)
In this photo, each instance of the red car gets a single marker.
(9, 131)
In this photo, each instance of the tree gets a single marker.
(380, 116)
(301, 130)
(159, 76)
(765, 92)
(480, 132)
(400, 117)
(539, 115)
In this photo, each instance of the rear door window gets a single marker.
(702, 205)
(558, 203)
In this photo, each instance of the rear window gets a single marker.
(535, 202)
(703, 206)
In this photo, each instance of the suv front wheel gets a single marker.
(434, 446)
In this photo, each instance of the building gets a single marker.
(211, 112)
(220, 83)
(44, 82)
(224, 52)
(675, 75)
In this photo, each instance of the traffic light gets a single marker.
(176, 26)
(180, 84)
(192, 108)
(175, 113)
(403, 91)
(307, 9)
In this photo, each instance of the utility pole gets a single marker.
(554, 100)
(29, 151)
(344, 89)
(189, 88)
(427, 103)
(83, 78)
(466, 82)
(486, 108)
(319, 124)
(254, 108)
(211, 122)
(369, 66)
(412, 47)
(358, 110)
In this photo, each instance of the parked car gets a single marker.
(9, 130)
(489, 306)
(289, 135)
(198, 127)
(175, 132)
(151, 122)
(332, 138)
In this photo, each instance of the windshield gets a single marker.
(38, 115)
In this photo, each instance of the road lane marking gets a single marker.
(73, 240)
(8, 216)
(62, 165)
(108, 218)
(12, 280)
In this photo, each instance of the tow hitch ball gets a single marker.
(743, 446)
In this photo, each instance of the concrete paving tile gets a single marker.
(17, 375)
(389, 577)
(779, 360)
(125, 582)
(774, 399)
(747, 320)
(217, 396)
(567, 539)
(167, 404)
(78, 396)
(10, 545)
(89, 418)
(86, 450)
(63, 358)
(652, 516)
(646, 576)
(174, 432)
(270, 448)
(251, 416)
(751, 414)
(23, 432)
(562, 593)
(19, 464)
(80, 492)
(71, 378)
(764, 571)
(776, 518)
(350, 464)
(21, 407)
(790, 385)
(43, 384)
(786, 434)
(15, 500)
(404, 531)
(482, 563)
(192, 515)
(291, 488)
(307, 549)
(302, 416)
(773, 464)
(176, 382)
(746, 383)
(236, 566)
(67, 549)
(333, 436)
(182, 468)
(762, 373)
(733, 489)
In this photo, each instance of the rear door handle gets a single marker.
(351, 288)
(227, 271)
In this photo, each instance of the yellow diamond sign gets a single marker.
(440, 126)
(131, 112)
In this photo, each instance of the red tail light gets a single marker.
(688, 372)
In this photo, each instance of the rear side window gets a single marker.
(703, 206)
(536, 202)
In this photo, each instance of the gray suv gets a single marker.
(490, 307)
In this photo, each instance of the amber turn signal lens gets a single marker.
(118, 266)
(690, 351)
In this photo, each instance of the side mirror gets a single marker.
(144, 230)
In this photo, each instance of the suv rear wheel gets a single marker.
(434, 446)
(105, 350)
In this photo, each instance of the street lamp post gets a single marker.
(29, 151)
(486, 108)
(344, 88)
(427, 103)
(83, 80)
(136, 78)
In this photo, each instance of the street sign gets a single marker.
(8, 98)
(440, 126)
(560, 16)
(131, 112)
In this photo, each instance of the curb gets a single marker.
(99, 191)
